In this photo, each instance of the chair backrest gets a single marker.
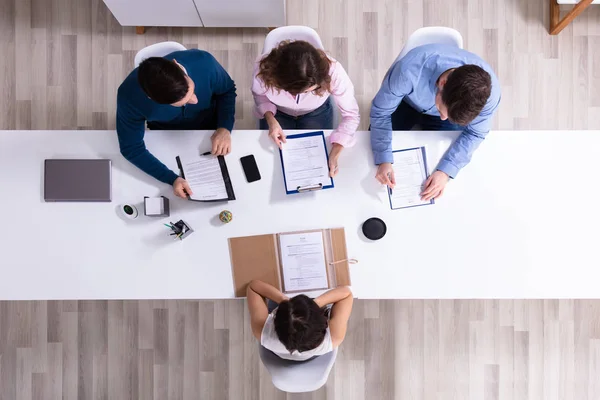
(298, 376)
(430, 35)
(157, 50)
(292, 32)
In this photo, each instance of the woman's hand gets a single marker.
(267, 291)
(336, 149)
(333, 296)
(275, 132)
(341, 298)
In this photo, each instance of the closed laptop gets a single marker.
(77, 180)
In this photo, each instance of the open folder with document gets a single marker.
(303, 261)
(293, 262)
(305, 163)
(207, 176)
(410, 172)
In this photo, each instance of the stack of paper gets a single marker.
(410, 171)
(305, 162)
(303, 261)
(207, 176)
(154, 206)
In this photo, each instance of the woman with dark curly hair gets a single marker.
(298, 328)
(292, 87)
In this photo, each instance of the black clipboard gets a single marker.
(226, 180)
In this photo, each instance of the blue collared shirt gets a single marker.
(413, 79)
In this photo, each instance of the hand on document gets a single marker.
(181, 188)
(275, 132)
(434, 186)
(221, 142)
(336, 149)
(385, 175)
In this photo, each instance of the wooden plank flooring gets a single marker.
(430, 350)
(62, 61)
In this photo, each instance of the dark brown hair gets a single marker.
(465, 93)
(294, 67)
(300, 324)
(162, 80)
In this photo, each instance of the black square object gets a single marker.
(374, 228)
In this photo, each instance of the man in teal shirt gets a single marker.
(183, 90)
(439, 87)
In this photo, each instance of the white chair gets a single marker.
(430, 35)
(292, 32)
(157, 50)
(298, 376)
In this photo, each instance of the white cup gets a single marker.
(129, 211)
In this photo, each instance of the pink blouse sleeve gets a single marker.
(342, 91)
(262, 104)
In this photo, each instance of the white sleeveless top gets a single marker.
(270, 340)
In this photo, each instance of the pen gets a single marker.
(168, 226)
(206, 154)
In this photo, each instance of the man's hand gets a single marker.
(385, 175)
(275, 132)
(181, 188)
(221, 142)
(434, 186)
(336, 149)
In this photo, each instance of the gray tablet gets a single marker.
(77, 180)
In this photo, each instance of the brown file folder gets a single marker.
(258, 257)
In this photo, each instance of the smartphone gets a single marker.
(250, 168)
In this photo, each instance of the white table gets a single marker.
(521, 221)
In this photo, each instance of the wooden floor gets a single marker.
(418, 350)
(63, 60)
(61, 64)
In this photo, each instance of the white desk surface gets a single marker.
(521, 221)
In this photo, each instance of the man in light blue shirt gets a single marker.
(439, 87)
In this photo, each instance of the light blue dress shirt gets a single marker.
(413, 79)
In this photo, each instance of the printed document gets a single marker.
(305, 162)
(410, 173)
(204, 175)
(303, 261)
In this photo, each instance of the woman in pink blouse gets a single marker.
(292, 87)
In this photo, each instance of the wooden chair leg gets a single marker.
(557, 24)
(140, 30)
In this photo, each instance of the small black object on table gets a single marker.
(374, 228)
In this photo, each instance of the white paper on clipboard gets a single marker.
(305, 162)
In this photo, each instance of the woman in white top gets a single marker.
(299, 328)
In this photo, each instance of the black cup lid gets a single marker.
(374, 228)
